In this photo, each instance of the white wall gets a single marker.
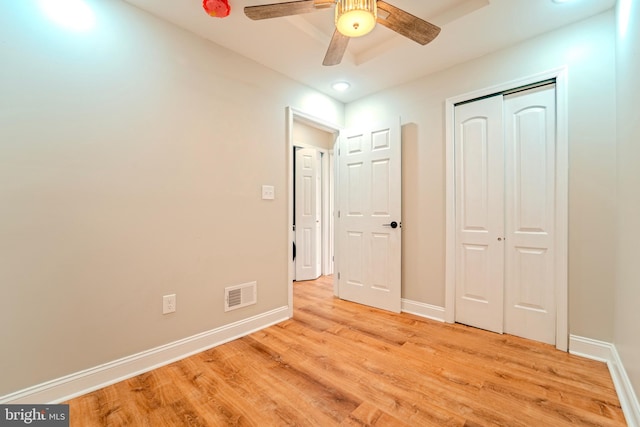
(588, 49)
(627, 314)
(131, 161)
(307, 135)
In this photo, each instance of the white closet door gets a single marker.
(530, 142)
(479, 183)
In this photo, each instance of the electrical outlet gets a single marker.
(168, 304)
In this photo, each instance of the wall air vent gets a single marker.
(240, 296)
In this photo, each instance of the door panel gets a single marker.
(381, 247)
(380, 191)
(479, 214)
(529, 269)
(369, 253)
(530, 309)
(308, 214)
(474, 175)
(476, 282)
(355, 192)
(354, 271)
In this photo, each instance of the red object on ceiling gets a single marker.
(217, 8)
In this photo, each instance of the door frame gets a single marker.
(293, 114)
(560, 75)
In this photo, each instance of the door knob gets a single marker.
(392, 224)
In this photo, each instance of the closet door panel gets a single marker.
(479, 214)
(530, 304)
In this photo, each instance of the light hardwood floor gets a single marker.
(339, 363)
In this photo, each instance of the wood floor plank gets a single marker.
(439, 387)
(336, 363)
(369, 415)
(262, 388)
(432, 393)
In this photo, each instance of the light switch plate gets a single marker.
(268, 192)
(169, 304)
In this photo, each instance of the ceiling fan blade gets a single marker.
(406, 24)
(277, 10)
(337, 48)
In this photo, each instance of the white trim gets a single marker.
(450, 220)
(607, 352)
(327, 265)
(79, 383)
(290, 112)
(562, 183)
(330, 205)
(313, 121)
(591, 349)
(421, 309)
(562, 210)
(624, 388)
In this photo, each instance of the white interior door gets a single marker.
(479, 182)
(369, 239)
(530, 142)
(308, 214)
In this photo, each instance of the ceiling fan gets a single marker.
(353, 18)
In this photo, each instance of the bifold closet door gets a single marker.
(505, 212)
(530, 168)
(479, 183)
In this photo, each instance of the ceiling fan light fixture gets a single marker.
(355, 18)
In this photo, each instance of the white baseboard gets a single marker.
(421, 309)
(607, 352)
(79, 383)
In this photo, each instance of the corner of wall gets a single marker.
(607, 352)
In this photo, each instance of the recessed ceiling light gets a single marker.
(341, 86)
(561, 1)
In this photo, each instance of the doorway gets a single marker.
(495, 280)
(305, 132)
(369, 229)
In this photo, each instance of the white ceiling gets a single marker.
(295, 46)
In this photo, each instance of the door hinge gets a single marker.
(338, 276)
(338, 214)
